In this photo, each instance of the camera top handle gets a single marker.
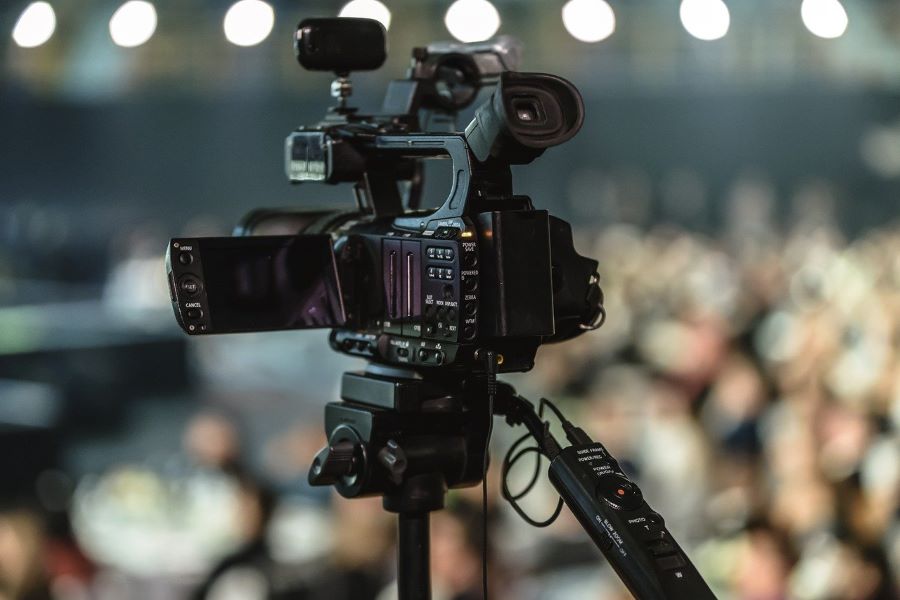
(418, 146)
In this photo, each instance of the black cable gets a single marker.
(544, 402)
(507, 466)
(575, 435)
(491, 365)
(534, 476)
(512, 457)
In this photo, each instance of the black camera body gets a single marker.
(400, 285)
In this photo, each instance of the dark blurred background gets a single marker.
(737, 176)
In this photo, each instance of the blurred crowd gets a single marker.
(752, 382)
(749, 382)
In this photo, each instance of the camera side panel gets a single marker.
(256, 283)
(517, 289)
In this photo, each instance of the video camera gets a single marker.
(439, 301)
(400, 285)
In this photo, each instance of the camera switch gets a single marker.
(662, 548)
(674, 561)
(185, 258)
(619, 492)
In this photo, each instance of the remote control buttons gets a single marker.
(651, 529)
(661, 548)
(673, 561)
(619, 493)
(190, 285)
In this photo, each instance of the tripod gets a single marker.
(408, 440)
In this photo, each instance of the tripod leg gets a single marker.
(413, 554)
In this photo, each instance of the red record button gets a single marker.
(619, 492)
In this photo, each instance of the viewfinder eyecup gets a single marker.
(528, 113)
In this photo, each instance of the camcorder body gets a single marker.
(438, 301)
(399, 285)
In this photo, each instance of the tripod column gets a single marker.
(413, 552)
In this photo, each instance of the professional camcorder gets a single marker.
(438, 301)
(400, 285)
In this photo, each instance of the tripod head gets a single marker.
(402, 437)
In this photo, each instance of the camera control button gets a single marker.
(190, 285)
(448, 292)
(185, 257)
(674, 561)
(448, 253)
(648, 533)
(404, 352)
(656, 519)
(619, 492)
(471, 308)
(194, 313)
(661, 548)
(471, 284)
(451, 314)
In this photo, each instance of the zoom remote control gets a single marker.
(631, 535)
